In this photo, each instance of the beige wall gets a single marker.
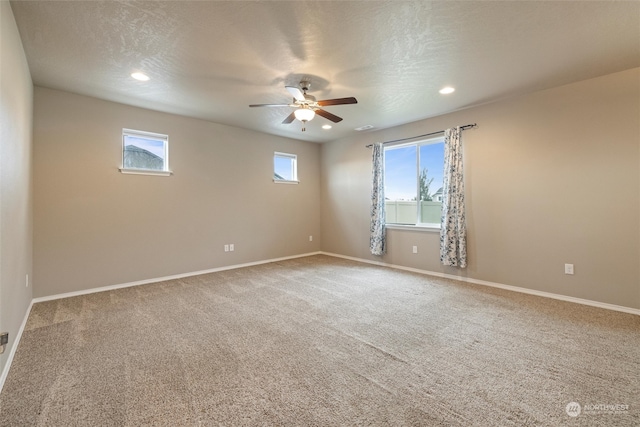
(94, 226)
(16, 94)
(551, 178)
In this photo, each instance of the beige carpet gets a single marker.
(326, 342)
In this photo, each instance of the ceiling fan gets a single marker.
(306, 106)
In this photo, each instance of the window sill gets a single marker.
(284, 181)
(145, 172)
(421, 228)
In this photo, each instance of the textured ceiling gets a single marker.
(211, 59)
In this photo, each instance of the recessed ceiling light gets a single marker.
(326, 126)
(365, 127)
(447, 90)
(140, 76)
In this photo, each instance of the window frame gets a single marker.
(293, 158)
(418, 226)
(152, 136)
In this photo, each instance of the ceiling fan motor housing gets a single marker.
(305, 85)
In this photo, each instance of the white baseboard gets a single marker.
(14, 348)
(12, 352)
(165, 278)
(7, 366)
(496, 285)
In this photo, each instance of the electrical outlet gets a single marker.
(231, 247)
(311, 238)
(415, 249)
(568, 269)
(226, 248)
(4, 340)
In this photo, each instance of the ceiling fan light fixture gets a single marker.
(304, 114)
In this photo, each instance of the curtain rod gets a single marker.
(426, 134)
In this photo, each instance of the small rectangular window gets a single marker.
(145, 153)
(413, 176)
(285, 168)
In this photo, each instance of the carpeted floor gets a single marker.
(321, 341)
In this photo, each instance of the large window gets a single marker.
(145, 152)
(285, 168)
(413, 182)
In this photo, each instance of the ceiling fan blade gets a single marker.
(338, 101)
(291, 117)
(271, 105)
(295, 92)
(328, 115)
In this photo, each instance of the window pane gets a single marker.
(430, 181)
(400, 185)
(413, 183)
(285, 167)
(282, 168)
(144, 153)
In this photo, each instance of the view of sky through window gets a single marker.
(401, 180)
(284, 167)
(152, 145)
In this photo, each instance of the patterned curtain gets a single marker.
(453, 231)
(377, 240)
